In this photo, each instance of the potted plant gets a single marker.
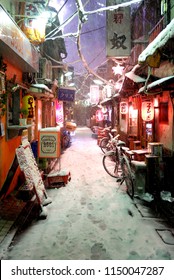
(24, 115)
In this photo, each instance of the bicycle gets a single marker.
(65, 139)
(117, 164)
(105, 143)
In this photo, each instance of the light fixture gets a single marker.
(68, 74)
(118, 69)
(98, 82)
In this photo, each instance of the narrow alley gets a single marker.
(92, 217)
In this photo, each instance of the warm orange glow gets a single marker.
(133, 113)
(156, 102)
(147, 111)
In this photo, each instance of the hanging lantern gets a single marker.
(28, 104)
(147, 110)
(123, 108)
(99, 116)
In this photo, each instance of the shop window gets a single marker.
(163, 112)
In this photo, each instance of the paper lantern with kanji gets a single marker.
(123, 107)
(28, 104)
(99, 115)
(147, 111)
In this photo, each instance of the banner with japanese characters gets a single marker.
(118, 30)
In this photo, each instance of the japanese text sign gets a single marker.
(118, 31)
(49, 144)
(147, 111)
(66, 94)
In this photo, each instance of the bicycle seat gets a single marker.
(121, 143)
(113, 130)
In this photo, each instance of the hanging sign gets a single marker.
(123, 107)
(66, 94)
(118, 30)
(94, 94)
(147, 110)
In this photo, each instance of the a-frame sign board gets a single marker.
(32, 174)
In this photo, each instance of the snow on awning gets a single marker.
(135, 78)
(155, 84)
(41, 87)
(162, 38)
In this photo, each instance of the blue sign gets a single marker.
(66, 94)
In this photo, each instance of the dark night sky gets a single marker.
(92, 38)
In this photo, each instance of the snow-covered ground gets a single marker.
(92, 217)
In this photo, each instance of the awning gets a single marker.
(135, 78)
(156, 84)
(41, 91)
(160, 41)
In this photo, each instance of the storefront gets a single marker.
(18, 56)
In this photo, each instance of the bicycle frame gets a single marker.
(117, 165)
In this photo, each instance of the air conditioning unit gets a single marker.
(45, 70)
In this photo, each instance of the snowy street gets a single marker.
(92, 217)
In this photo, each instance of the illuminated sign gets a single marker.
(66, 94)
(11, 36)
(123, 107)
(94, 94)
(99, 115)
(147, 111)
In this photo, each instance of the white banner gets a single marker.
(118, 30)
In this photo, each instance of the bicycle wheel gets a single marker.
(103, 144)
(111, 164)
(127, 176)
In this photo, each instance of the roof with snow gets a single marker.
(135, 78)
(162, 38)
(156, 83)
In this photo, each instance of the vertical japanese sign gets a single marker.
(94, 94)
(118, 30)
(147, 111)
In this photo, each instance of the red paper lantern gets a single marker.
(99, 116)
(123, 107)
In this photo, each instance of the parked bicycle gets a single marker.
(107, 142)
(117, 164)
(65, 139)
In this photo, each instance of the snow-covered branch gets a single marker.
(83, 16)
